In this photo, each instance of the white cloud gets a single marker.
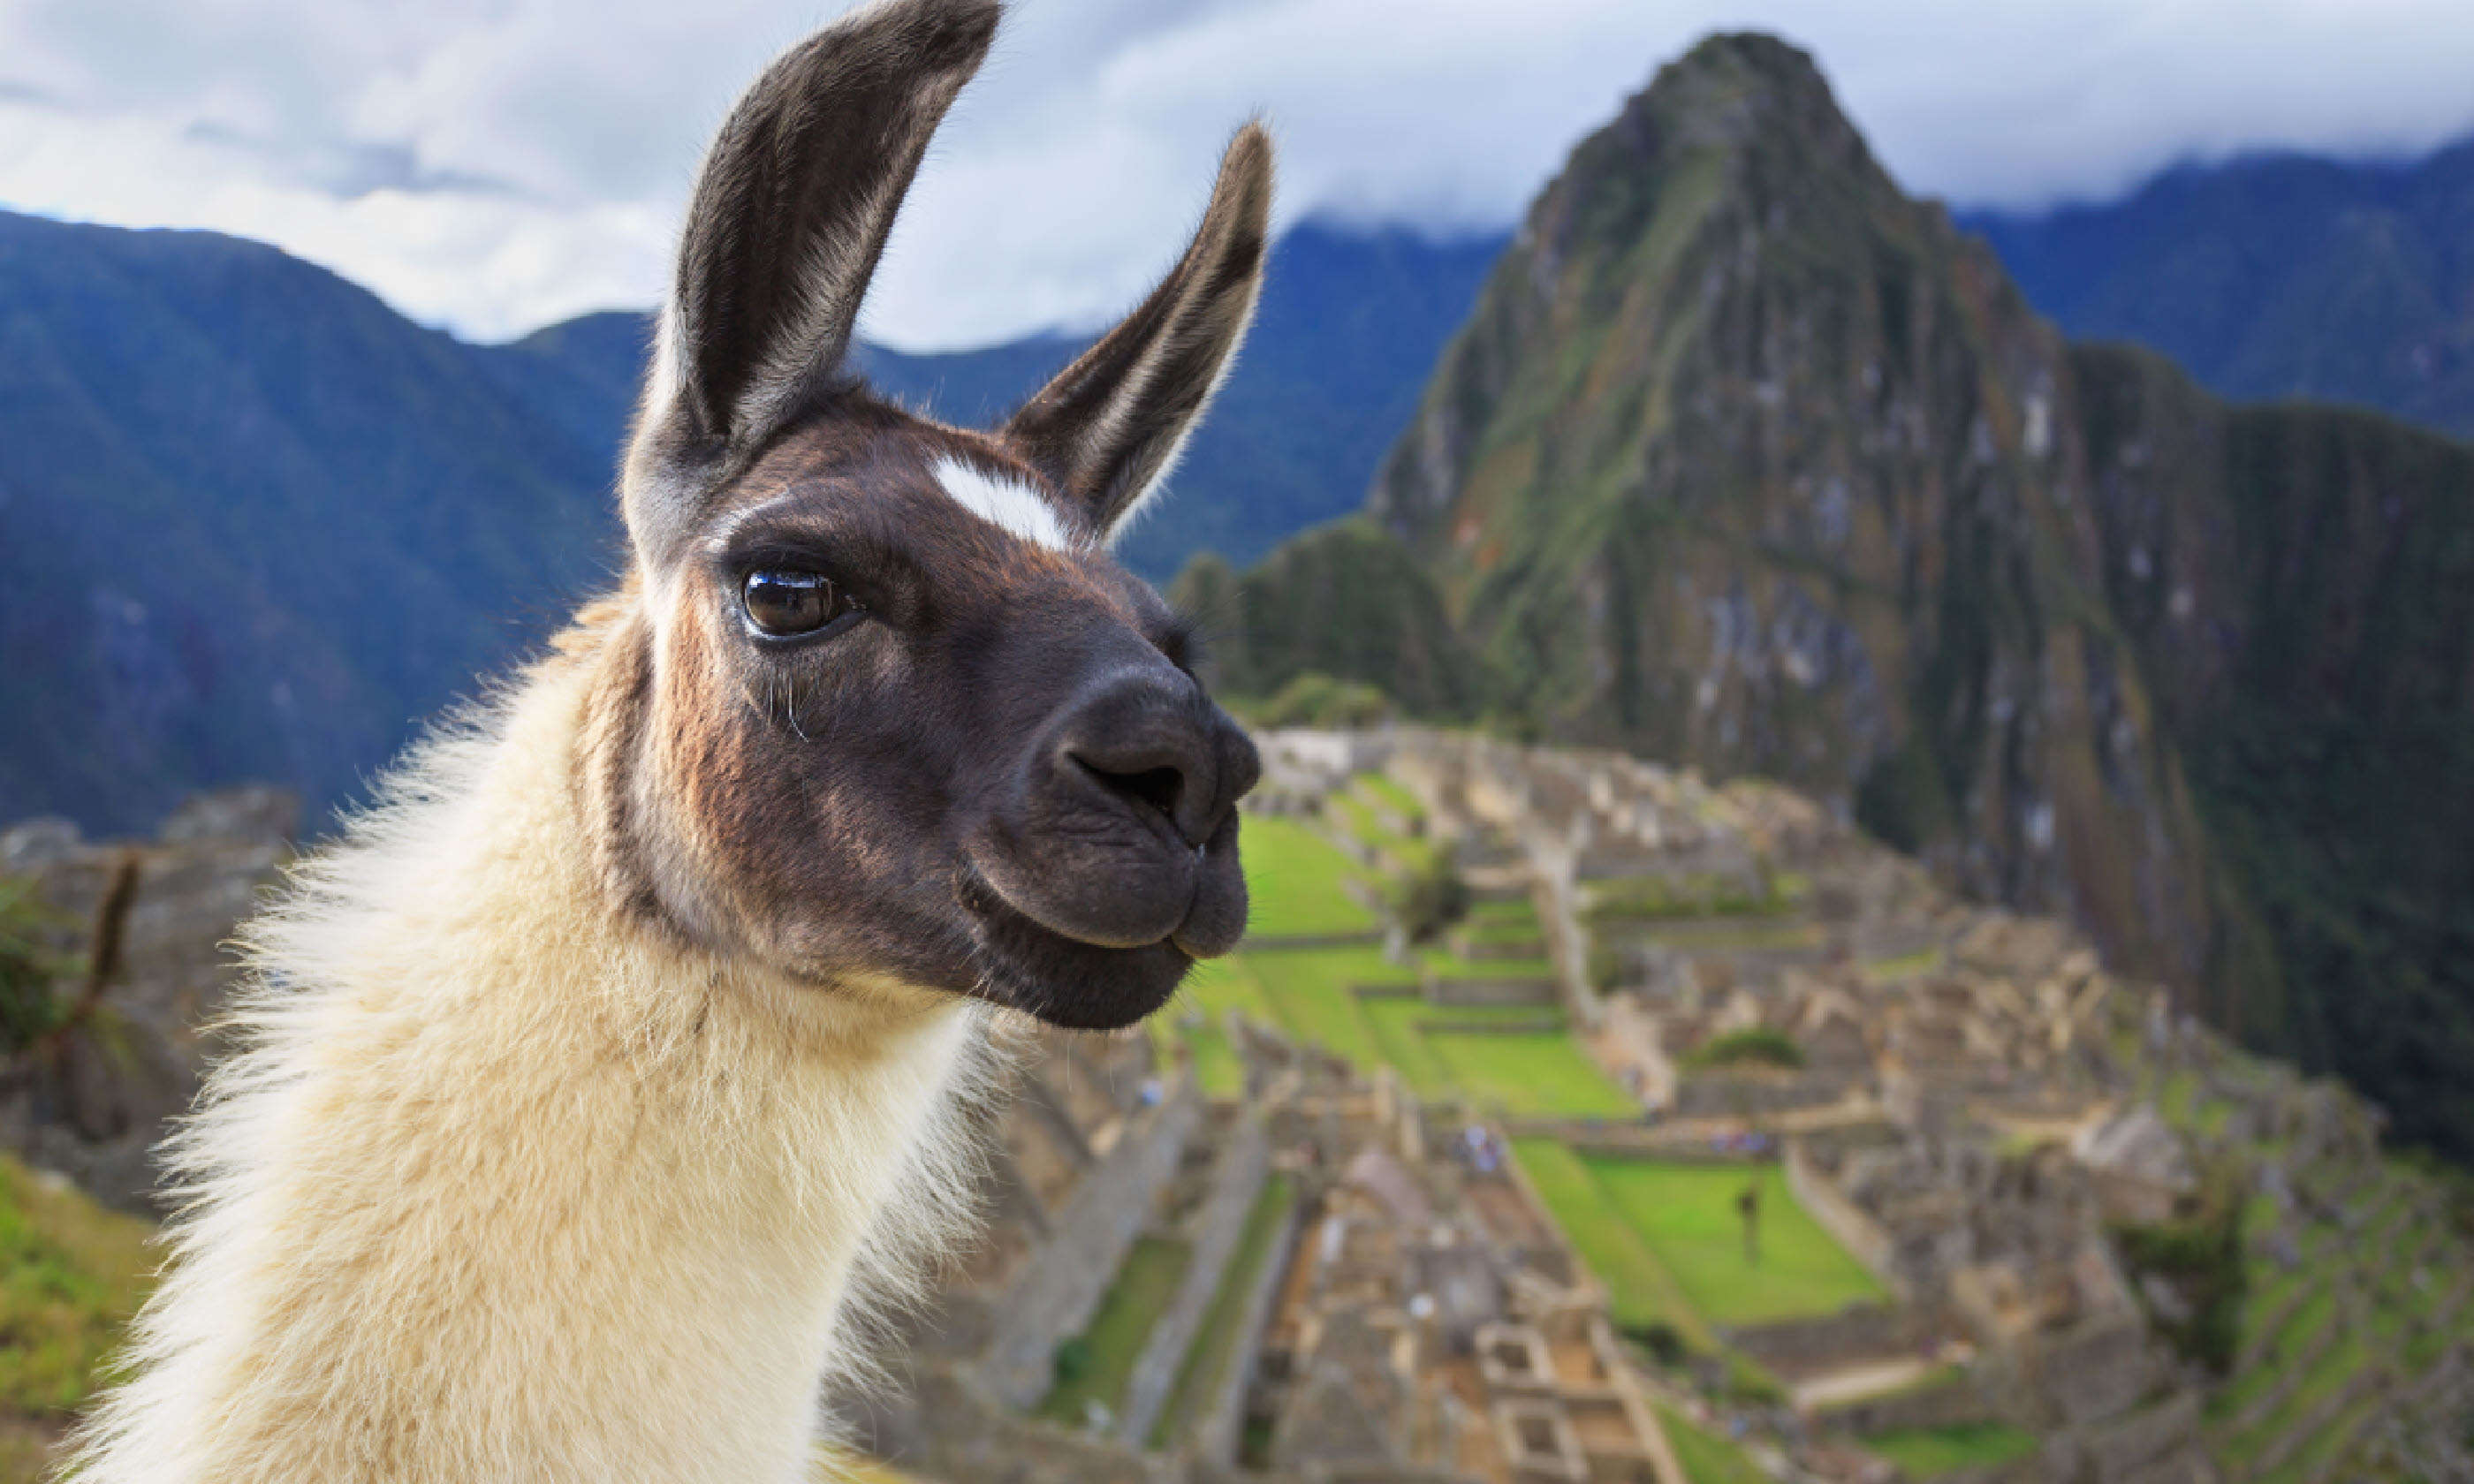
(497, 164)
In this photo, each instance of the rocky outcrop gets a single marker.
(96, 1113)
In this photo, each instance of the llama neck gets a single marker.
(509, 1187)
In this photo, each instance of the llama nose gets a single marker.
(1159, 746)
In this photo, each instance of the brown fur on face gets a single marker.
(1001, 779)
(817, 802)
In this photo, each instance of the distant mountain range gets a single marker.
(256, 525)
(1735, 457)
(1747, 460)
(2275, 276)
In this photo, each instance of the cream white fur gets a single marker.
(503, 1187)
(1007, 504)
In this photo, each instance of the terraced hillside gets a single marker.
(1565, 1112)
(1965, 1141)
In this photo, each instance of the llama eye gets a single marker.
(787, 604)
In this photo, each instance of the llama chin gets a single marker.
(587, 1091)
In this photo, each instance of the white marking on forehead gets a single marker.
(1007, 504)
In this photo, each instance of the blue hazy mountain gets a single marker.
(254, 524)
(2276, 276)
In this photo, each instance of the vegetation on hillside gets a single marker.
(1747, 460)
(2273, 276)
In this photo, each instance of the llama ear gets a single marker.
(791, 213)
(1109, 427)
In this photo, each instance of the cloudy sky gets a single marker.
(493, 165)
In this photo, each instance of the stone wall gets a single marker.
(1456, 991)
(944, 1424)
(1867, 1239)
(1053, 1295)
(1942, 1405)
(1721, 1094)
(1857, 1334)
(1236, 1179)
(1221, 1424)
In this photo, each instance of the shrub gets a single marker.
(2199, 1255)
(1431, 897)
(1315, 698)
(31, 970)
(1755, 1045)
(1073, 1361)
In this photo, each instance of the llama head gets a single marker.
(890, 715)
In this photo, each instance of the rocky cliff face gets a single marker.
(1747, 460)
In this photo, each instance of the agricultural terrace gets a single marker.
(1095, 1367)
(1351, 1001)
(1667, 1240)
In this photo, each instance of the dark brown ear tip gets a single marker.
(1246, 168)
(934, 36)
(959, 32)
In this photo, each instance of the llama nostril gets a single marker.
(1158, 787)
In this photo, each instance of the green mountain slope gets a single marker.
(2276, 275)
(251, 522)
(256, 526)
(1748, 461)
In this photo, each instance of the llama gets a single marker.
(582, 1087)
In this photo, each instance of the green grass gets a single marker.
(1535, 1074)
(2332, 1369)
(2291, 1339)
(1220, 985)
(1298, 881)
(1206, 1360)
(71, 1274)
(1113, 1342)
(1395, 1024)
(1924, 961)
(1494, 930)
(1307, 995)
(1217, 1069)
(1707, 1458)
(2328, 1444)
(1391, 793)
(1451, 965)
(1510, 911)
(1737, 937)
(1216, 987)
(1695, 896)
(1639, 1289)
(2176, 1103)
(1686, 1215)
(1359, 821)
(1926, 1452)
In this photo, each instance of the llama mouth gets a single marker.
(1065, 981)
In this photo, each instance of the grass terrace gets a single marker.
(1534, 1074)
(1685, 1215)
(1708, 1458)
(1391, 793)
(1451, 965)
(1298, 882)
(1694, 895)
(1641, 1291)
(1358, 819)
(1908, 966)
(1308, 995)
(1928, 1453)
(1097, 1365)
(1216, 1345)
